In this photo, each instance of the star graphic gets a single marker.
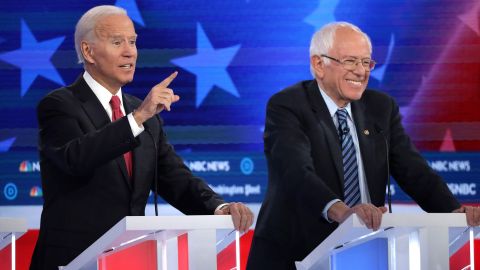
(325, 13)
(379, 73)
(33, 58)
(132, 10)
(210, 66)
(470, 18)
(6, 144)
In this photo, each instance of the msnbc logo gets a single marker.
(36, 192)
(29, 166)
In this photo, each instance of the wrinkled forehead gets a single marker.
(348, 42)
(115, 26)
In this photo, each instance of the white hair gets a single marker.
(86, 25)
(322, 40)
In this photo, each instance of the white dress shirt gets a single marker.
(104, 96)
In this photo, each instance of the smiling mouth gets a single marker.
(358, 83)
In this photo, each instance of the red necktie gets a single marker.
(117, 114)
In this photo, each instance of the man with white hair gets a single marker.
(330, 146)
(102, 151)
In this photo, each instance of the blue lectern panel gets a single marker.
(372, 255)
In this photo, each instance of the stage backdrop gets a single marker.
(232, 55)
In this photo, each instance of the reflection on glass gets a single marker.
(228, 249)
(464, 245)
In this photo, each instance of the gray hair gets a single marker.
(87, 23)
(322, 40)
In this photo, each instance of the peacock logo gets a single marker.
(36, 191)
(29, 166)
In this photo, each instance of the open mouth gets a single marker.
(354, 82)
(126, 66)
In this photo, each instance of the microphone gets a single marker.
(155, 171)
(389, 192)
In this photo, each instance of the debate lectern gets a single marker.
(404, 241)
(10, 230)
(205, 234)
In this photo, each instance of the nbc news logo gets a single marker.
(36, 191)
(29, 166)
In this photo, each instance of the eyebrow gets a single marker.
(356, 57)
(121, 36)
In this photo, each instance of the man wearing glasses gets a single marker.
(330, 146)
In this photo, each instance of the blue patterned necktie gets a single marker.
(350, 168)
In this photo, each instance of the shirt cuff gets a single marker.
(136, 130)
(220, 206)
(325, 210)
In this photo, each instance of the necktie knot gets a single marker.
(115, 103)
(342, 115)
(343, 129)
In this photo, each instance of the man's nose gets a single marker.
(129, 50)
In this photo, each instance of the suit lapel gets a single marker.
(97, 115)
(90, 103)
(325, 121)
(365, 132)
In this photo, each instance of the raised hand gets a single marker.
(159, 98)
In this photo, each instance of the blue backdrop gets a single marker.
(232, 55)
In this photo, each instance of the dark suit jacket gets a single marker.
(304, 159)
(84, 178)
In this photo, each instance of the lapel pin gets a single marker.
(366, 132)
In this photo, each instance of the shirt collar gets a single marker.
(103, 95)
(332, 107)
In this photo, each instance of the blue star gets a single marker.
(210, 66)
(325, 13)
(33, 58)
(6, 144)
(379, 73)
(132, 10)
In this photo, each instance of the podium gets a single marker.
(408, 241)
(10, 230)
(203, 233)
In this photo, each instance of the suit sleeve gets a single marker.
(288, 151)
(178, 186)
(73, 147)
(412, 172)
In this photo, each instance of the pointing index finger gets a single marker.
(168, 80)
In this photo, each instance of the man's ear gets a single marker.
(87, 52)
(318, 66)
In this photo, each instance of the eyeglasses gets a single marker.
(351, 63)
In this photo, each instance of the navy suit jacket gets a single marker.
(304, 160)
(85, 184)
